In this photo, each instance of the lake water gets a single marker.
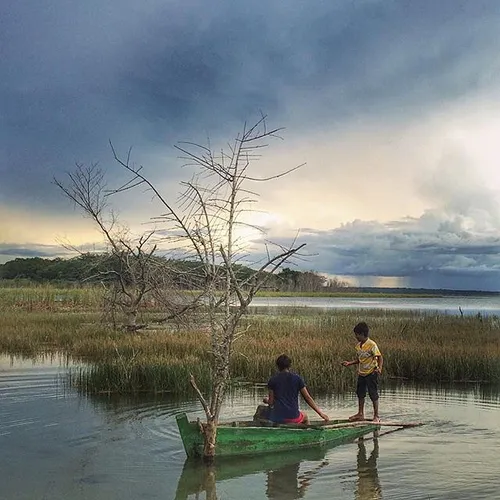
(450, 305)
(56, 445)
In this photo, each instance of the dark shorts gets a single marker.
(368, 383)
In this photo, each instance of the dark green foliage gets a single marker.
(40, 270)
(185, 275)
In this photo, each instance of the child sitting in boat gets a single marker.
(282, 403)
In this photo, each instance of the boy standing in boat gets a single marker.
(370, 362)
(283, 399)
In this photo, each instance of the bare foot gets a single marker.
(376, 420)
(356, 418)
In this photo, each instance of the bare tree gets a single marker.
(334, 284)
(310, 281)
(129, 270)
(206, 226)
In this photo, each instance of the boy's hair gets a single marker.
(362, 329)
(283, 362)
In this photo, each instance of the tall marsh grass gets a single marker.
(50, 298)
(416, 346)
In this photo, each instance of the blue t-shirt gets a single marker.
(286, 387)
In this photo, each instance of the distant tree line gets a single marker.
(88, 268)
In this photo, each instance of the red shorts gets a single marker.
(297, 420)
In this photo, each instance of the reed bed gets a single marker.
(50, 298)
(417, 346)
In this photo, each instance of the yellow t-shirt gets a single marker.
(367, 356)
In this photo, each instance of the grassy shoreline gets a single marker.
(418, 346)
(90, 295)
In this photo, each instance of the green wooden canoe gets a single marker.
(247, 438)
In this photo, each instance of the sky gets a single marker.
(393, 106)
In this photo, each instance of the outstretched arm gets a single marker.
(312, 404)
(349, 363)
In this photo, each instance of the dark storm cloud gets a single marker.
(10, 251)
(409, 249)
(150, 73)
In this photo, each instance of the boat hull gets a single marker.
(243, 438)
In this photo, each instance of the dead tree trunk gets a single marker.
(207, 227)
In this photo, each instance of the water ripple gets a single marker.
(106, 447)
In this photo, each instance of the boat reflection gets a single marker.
(287, 482)
(284, 478)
